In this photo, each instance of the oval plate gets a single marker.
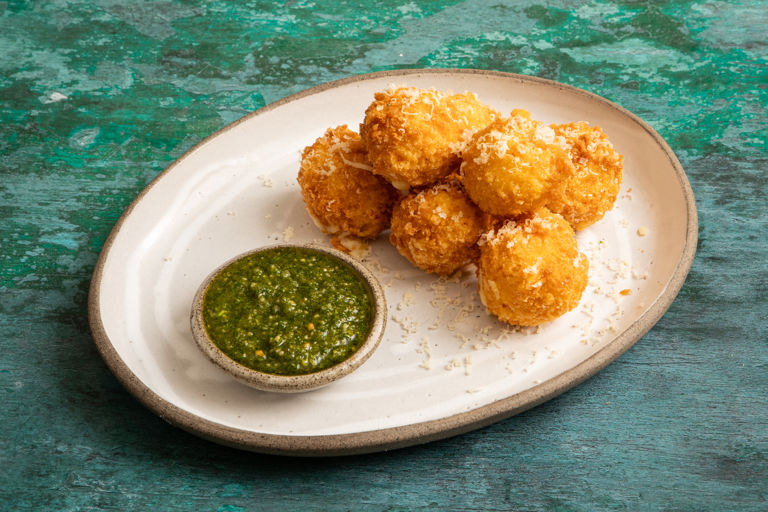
(444, 366)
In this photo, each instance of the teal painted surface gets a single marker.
(96, 98)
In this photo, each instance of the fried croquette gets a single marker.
(514, 165)
(414, 136)
(437, 228)
(591, 191)
(342, 196)
(530, 270)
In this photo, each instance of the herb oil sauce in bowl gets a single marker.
(289, 318)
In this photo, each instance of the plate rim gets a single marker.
(416, 433)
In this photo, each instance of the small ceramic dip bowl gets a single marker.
(330, 339)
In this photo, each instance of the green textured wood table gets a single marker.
(97, 98)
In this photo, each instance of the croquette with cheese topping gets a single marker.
(437, 228)
(514, 165)
(414, 136)
(530, 270)
(592, 189)
(342, 196)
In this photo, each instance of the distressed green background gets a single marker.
(97, 97)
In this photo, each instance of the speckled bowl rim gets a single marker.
(293, 383)
(416, 433)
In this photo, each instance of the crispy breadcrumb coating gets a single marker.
(459, 184)
(514, 165)
(437, 228)
(414, 136)
(592, 189)
(530, 270)
(342, 196)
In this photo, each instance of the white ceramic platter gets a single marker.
(445, 366)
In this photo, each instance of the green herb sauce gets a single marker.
(288, 311)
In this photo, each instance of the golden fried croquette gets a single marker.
(592, 189)
(437, 228)
(514, 165)
(342, 196)
(530, 270)
(413, 136)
